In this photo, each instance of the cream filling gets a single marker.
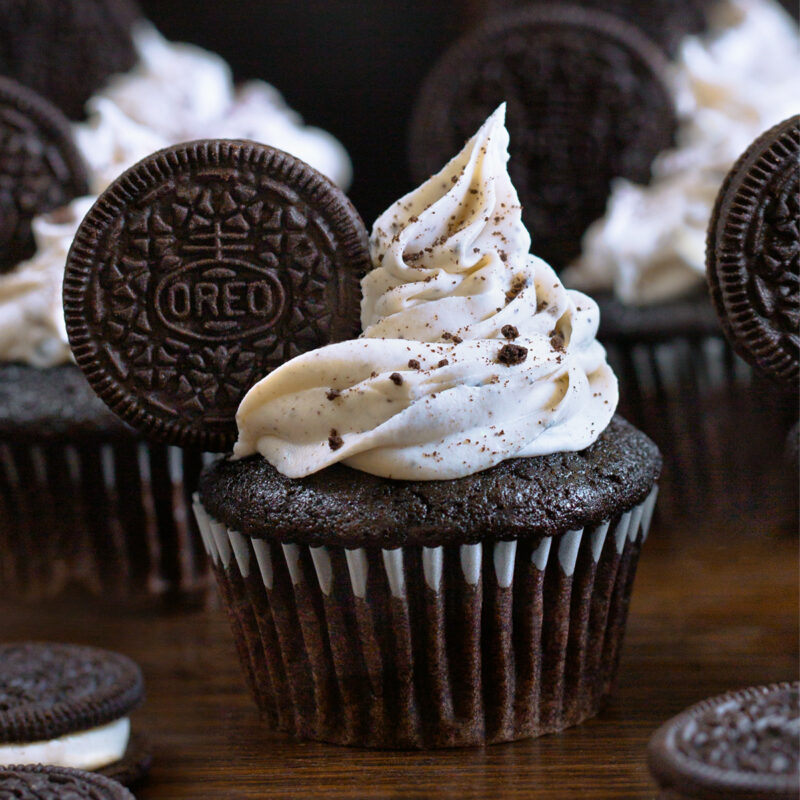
(92, 749)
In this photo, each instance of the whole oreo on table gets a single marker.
(587, 102)
(743, 744)
(40, 167)
(200, 270)
(66, 49)
(49, 691)
(753, 254)
(57, 783)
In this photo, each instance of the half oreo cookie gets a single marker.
(51, 783)
(743, 745)
(40, 168)
(587, 102)
(200, 270)
(68, 705)
(66, 49)
(753, 254)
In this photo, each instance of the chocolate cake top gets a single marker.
(519, 498)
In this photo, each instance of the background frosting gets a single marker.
(176, 93)
(730, 86)
(473, 352)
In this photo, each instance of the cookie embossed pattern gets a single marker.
(202, 271)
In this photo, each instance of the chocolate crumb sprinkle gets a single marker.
(443, 363)
(557, 341)
(333, 394)
(396, 378)
(334, 440)
(413, 363)
(511, 354)
(509, 331)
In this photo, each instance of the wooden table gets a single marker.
(714, 608)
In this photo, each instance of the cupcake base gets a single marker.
(86, 507)
(423, 647)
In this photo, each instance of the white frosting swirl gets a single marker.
(424, 393)
(730, 86)
(176, 92)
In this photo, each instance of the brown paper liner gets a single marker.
(430, 647)
(717, 423)
(103, 518)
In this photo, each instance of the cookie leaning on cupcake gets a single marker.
(477, 412)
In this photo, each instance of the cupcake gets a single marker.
(427, 536)
(86, 503)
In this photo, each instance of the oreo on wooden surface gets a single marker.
(40, 167)
(200, 270)
(743, 744)
(753, 254)
(587, 102)
(37, 782)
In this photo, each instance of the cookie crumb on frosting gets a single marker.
(511, 354)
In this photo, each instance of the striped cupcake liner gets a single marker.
(108, 518)
(429, 646)
(694, 397)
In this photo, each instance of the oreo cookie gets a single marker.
(40, 168)
(51, 783)
(66, 49)
(70, 704)
(666, 22)
(200, 270)
(587, 102)
(744, 744)
(753, 254)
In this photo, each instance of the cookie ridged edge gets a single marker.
(729, 299)
(33, 724)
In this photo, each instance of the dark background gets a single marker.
(352, 67)
(349, 66)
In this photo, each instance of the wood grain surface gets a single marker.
(714, 608)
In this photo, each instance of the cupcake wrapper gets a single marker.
(108, 517)
(694, 397)
(429, 647)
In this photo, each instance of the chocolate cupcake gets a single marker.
(463, 575)
(87, 505)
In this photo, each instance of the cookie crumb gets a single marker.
(557, 341)
(511, 354)
(413, 363)
(333, 394)
(334, 440)
(443, 363)
(509, 331)
(396, 378)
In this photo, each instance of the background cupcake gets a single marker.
(116, 508)
(644, 258)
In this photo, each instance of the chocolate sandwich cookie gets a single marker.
(68, 705)
(66, 49)
(54, 783)
(40, 168)
(753, 254)
(199, 271)
(743, 744)
(666, 22)
(587, 102)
